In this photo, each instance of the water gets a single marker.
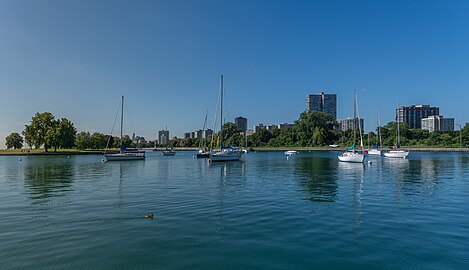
(309, 211)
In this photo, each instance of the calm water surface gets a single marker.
(267, 212)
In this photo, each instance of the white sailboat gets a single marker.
(397, 152)
(376, 151)
(224, 153)
(124, 154)
(351, 155)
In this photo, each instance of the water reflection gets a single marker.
(226, 174)
(48, 177)
(318, 176)
(356, 173)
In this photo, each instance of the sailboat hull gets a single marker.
(352, 157)
(225, 156)
(396, 154)
(124, 156)
(374, 152)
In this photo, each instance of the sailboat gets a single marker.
(397, 152)
(224, 153)
(351, 155)
(124, 154)
(376, 148)
(202, 153)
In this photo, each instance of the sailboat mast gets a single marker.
(398, 128)
(221, 112)
(379, 130)
(122, 120)
(354, 116)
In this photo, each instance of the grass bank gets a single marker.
(41, 152)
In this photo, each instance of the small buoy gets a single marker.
(370, 162)
(21, 159)
(68, 156)
(102, 159)
(148, 216)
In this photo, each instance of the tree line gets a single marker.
(48, 132)
(312, 129)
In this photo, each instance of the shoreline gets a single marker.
(62, 153)
(341, 149)
(253, 149)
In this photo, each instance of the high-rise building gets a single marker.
(163, 137)
(347, 124)
(258, 127)
(437, 123)
(241, 123)
(326, 103)
(413, 115)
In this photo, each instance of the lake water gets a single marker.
(266, 212)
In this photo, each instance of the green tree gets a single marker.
(311, 122)
(83, 140)
(14, 140)
(40, 125)
(66, 133)
(98, 141)
(30, 137)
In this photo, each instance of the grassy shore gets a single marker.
(32, 152)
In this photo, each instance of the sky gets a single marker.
(76, 58)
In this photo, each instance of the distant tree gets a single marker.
(83, 140)
(66, 133)
(98, 140)
(314, 123)
(30, 136)
(14, 140)
(40, 125)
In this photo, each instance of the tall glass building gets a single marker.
(326, 103)
(413, 115)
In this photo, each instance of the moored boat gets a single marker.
(224, 153)
(351, 155)
(124, 154)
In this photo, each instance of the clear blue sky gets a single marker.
(76, 58)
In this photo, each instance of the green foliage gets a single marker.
(314, 128)
(66, 133)
(83, 140)
(40, 125)
(14, 140)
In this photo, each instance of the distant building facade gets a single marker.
(413, 115)
(258, 127)
(326, 103)
(284, 125)
(437, 123)
(347, 124)
(163, 137)
(241, 123)
(198, 134)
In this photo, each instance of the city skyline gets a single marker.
(75, 60)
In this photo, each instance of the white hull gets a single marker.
(290, 152)
(225, 156)
(396, 154)
(124, 156)
(352, 157)
(374, 152)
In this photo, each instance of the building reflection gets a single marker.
(318, 177)
(48, 177)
